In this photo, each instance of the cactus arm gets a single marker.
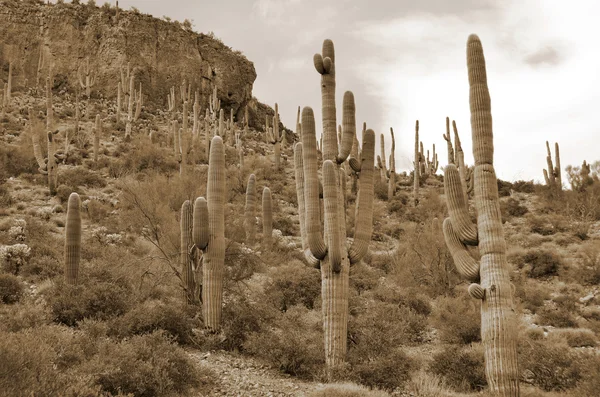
(332, 234)
(364, 207)
(348, 127)
(200, 232)
(72, 239)
(326, 67)
(299, 174)
(311, 193)
(448, 140)
(465, 264)
(457, 206)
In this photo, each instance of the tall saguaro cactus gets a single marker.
(210, 237)
(186, 243)
(490, 276)
(417, 173)
(392, 170)
(275, 137)
(72, 239)
(552, 174)
(87, 80)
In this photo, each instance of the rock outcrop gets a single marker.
(161, 53)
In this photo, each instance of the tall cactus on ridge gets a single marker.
(490, 276)
(392, 166)
(72, 239)
(552, 175)
(417, 172)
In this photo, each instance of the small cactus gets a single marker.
(250, 210)
(72, 239)
(267, 214)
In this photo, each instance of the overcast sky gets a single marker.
(405, 60)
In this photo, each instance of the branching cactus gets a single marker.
(87, 79)
(72, 239)
(552, 175)
(392, 166)
(490, 275)
(209, 237)
(417, 172)
(267, 215)
(332, 249)
(250, 210)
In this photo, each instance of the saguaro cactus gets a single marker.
(491, 274)
(552, 175)
(250, 210)
(210, 237)
(267, 214)
(87, 80)
(417, 172)
(392, 166)
(460, 160)
(186, 244)
(275, 137)
(448, 140)
(72, 239)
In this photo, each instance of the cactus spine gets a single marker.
(72, 239)
(491, 274)
(267, 214)
(250, 210)
(214, 257)
(331, 248)
(552, 175)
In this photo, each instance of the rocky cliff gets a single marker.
(162, 54)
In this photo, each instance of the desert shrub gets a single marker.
(346, 390)
(579, 337)
(389, 371)
(14, 257)
(556, 317)
(461, 367)
(293, 343)
(147, 365)
(11, 289)
(539, 263)
(523, 186)
(292, 285)
(589, 272)
(24, 316)
(589, 383)
(549, 367)
(75, 177)
(241, 319)
(504, 188)
(176, 321)
(512, 208)
(532, 295)
(457, 320)
(17, 160)
(98, 297)
(364, 278)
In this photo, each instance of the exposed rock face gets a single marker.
(162, 54)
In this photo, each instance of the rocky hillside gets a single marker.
(163, 53)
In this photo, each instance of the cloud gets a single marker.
(544, 56)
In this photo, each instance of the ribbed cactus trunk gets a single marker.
(250, 210)
(73, 239)
(417, 173)
(185, 246)
(392, 166)
(267, 215)
(97, 133)
(185, 140)
(214, 261)
(490, 275)
(448, 140)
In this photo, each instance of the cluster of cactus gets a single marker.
(72, 239)
(424, 166)
(331, 251)
(553, 175)
(387, 173)
(490, 275)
